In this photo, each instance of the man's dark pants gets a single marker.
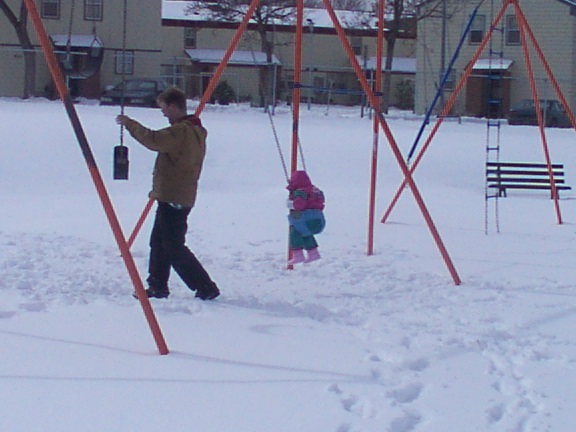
(168, 249)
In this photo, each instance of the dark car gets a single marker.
(553, 114)
(136, 92)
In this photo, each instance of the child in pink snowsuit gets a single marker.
(306, 217)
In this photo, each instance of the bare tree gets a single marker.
(351, 5)
(401, 18)
(400, 13)
(19, 22)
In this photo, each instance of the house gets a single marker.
(185, 49)
(93, 24)
(500, 77)
(326, 76)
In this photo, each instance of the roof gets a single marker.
(239, 58)
(176, 10)
(399, 64)
(78, 41)
(497, 64)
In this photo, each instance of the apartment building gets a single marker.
(155, 38)
(500, 77)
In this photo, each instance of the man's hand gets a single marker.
(122, 119)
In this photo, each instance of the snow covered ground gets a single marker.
(348, 344)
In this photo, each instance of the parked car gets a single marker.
(136, 92)
(553, 113)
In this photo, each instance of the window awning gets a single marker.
(494, 64)
(405, 65)
(77, 41)
(239, 58)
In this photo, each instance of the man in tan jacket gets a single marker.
(181, 148)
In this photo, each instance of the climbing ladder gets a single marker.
(494, 100)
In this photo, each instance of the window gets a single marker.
(173, 74)
(93, 10)
(478, 29)
(190, 37)
(356, 42)
(50, 9)
(450, 82)
(124, 62)
(512, 31)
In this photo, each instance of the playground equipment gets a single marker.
(121, 162)
(526, 36)
(83, 54)
(95, 174)
(373, 96)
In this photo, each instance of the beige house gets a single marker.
(327, 73)
(94, 22)
(500, 77)
(185, 49)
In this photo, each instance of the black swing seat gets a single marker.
(524, 175)
(79, 56)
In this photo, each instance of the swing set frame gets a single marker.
(527, 35)
(379, 124)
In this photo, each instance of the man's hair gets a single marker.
(173, 96)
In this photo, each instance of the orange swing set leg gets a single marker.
(96, 177)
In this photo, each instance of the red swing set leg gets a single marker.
(379, 121)
(96, 177)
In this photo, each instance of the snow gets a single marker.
(238, 57)
(80, 41)
(399, 64)
(319, 18)
(351, 343)
(492, 63)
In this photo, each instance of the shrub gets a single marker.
(405, 94)
(224, 93)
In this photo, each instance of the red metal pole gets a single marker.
(449, 104)
(297, 86)
(96, 177)
(233, 44)
(140, 222)
(296, 94)
(547, 68)
(376, 127)
(393, 144)
(523, 24)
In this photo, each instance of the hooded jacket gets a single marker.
(306, 216)
(303, 193)
(181, 148)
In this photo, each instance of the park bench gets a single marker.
(523, 175)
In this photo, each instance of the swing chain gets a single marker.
(273, 126)
(69, 41)
(122, 101)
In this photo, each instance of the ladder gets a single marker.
(493, 91)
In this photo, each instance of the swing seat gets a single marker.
(121, 162)
(82, 59)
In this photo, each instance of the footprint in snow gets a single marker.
(406, 423)
(406, 394)
(352, 403)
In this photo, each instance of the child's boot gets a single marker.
(313, 255)
(297, 257)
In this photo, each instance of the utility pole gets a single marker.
(443, 50)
